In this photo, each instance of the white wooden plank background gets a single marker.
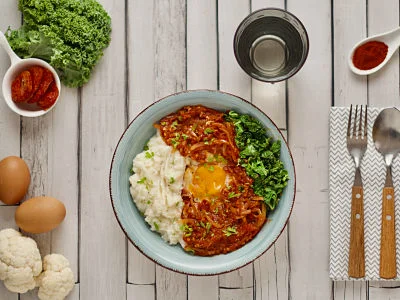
(169, 77)
(309, 102)
(161, 47)
(9, 123)
(7, 221)
(383, 91)
(348, 88)
(140, 84)
(202, 73)
(102, 119)
(233, 80)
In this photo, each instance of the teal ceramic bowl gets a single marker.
(136, 229)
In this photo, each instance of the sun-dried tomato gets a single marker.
(48, 99)
(37, 75)
(21, 87)
(47, 79)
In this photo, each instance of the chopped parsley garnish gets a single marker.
(185, 136)
(171, 180)
(187, 230)
(148, 183)
(260, 156)
(190, 250)
(156, 226)
(142, 180)
(149, 154)
(233, 195)
(208, 131)
(206, 226)
(175, 140)
(229, 231)
(220, 158)
(211, 168)
(174, 124)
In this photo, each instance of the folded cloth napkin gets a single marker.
(341, 177)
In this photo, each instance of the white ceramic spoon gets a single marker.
(390, 38)
(17, 66)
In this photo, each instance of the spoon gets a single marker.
(386, 136)
(17, 66)
(390, 38)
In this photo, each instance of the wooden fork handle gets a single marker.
(356, 252)
(388, 237)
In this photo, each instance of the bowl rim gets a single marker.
(206, 273)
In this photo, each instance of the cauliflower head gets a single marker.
(20, 261)
(57, 278)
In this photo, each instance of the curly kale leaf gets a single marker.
(260, 157)
(71, 35)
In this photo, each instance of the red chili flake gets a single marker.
(370, 55)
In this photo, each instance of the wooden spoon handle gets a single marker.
(388, 238)
(356, 252)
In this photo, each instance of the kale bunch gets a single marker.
(260, 156)
(71, 35)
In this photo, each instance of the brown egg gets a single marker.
(14, 179)
(40, 214)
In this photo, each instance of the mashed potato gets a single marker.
(156, 188)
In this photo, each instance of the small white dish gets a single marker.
(17, 66)
(390, 38)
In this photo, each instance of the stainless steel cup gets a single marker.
(271, 45)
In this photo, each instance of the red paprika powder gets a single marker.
(369, 55)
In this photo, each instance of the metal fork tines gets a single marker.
(357, 145)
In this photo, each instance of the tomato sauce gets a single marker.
(216, 218)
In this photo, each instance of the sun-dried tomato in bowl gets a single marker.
(35, 86)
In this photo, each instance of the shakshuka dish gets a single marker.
(208, 179)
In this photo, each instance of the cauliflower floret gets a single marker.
(20, 261)
(57, 279)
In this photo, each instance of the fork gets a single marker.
(356, 145)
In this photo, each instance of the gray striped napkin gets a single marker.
(341, 177)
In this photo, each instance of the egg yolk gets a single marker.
(208, 181)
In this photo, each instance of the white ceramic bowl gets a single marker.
(12, 72)
(132, 222)
(17, 66)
